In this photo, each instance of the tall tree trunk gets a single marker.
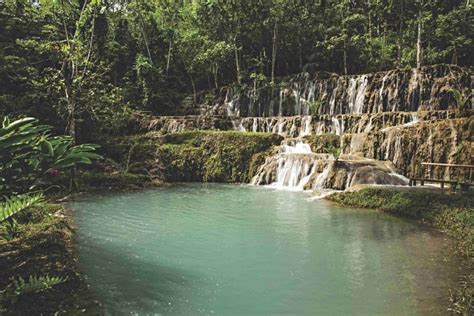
(370, 20)
(274, 51)
(400, 33)
(344, 57)
(344, 30)
(168, 57)
(194, 88)
(71, 112)
(216, 75)
(237, 63)
(418, 40)
(208, 81)
(145, 38)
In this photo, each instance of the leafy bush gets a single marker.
(28, 153)
(334, 151)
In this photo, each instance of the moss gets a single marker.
(116, 180)
(322, 143)
(212, 156)
(451, 212)
(258, 160)
(44, 247)
(129, 149)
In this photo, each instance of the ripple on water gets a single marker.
(242, 250)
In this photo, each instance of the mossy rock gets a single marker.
(322, 143)
(116, 180)
(212, 156)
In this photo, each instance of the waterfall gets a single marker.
(294, 171)
(402, 90)
(336, 126)
(175, 126)
(381, 92)
(306, 128)
(291, 169)
(295, 146)
(360, 97)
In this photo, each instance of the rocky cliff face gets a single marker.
(408, 90)
(382, 123)
(445, 141)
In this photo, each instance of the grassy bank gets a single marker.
(200, 156)
(209, 156)
(450, 212)
(42, 247)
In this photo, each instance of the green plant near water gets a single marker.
(334, 151)
(34, 284)
(460, 98)
(13, 206)
(315, 106)
(28, 153)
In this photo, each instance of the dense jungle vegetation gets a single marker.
(81, 69)
(83, 66)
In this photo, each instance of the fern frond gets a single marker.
(17, 204)
(34, 284)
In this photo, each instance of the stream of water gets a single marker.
(243, 250)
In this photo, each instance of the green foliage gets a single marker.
(17, 204)
(334, 151)
(462, 101)
(34, 284)
(212, 156)
(28, 153)
(151, 55)
(315, 106)
(13, 206)
(324, 143)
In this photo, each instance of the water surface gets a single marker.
(242, 250)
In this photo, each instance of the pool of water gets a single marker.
(242, 250)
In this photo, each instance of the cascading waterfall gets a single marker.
(402, 90)
(373, 115)
(294, 165)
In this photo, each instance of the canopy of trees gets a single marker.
(78, 64)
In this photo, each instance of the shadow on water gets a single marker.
(132, 284)
(201, 248)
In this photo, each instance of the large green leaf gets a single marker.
(17, 204)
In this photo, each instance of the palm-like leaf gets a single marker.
(17, 204)
(28, 152)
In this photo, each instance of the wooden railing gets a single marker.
(465, 180)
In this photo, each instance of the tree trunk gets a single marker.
(145, 38)
(418, 41)
(370, 21)
(216, 76)
(71, 113)
(274, 51)
(454, 59)
(237, 63)
(168, 58)
(344, 57)
(194, 88)
(400, 33)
